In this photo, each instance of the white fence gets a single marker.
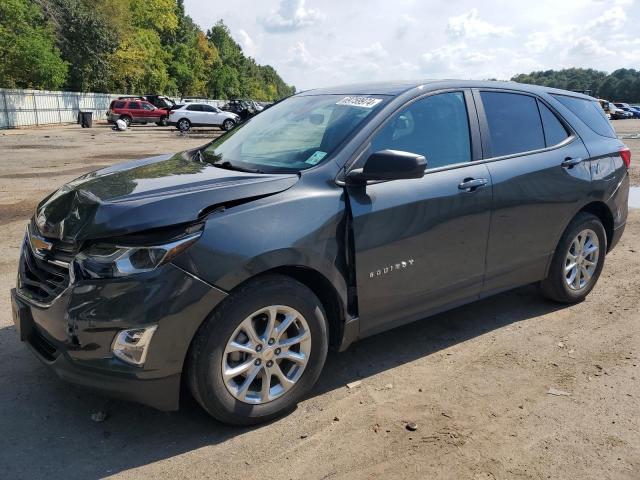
(22, 108)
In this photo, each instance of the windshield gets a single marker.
(295, 134)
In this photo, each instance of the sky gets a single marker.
(315, 43)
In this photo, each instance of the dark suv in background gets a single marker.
(333, 215)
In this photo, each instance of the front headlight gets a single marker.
(112, 261)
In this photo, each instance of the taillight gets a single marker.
(625, 153)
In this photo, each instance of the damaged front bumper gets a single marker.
(74, 334)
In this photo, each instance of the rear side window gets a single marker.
(134, 105)
(554, 131)
(194, 108)
(514, 123)
(436, 127)
(590, 112)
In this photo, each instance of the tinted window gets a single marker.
(436, 127)
(554, 131)
(208, 108)
(589, 112)
(118, 104)
(514, 123)
(194, 108)
(134, 105)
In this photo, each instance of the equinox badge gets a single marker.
(392, 268)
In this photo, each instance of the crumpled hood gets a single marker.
(144, 194)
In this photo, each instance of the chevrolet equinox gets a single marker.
(333, 215)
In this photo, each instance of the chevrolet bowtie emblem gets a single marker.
(38, 244)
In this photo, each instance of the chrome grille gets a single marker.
(42, 280)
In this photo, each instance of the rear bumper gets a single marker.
(73, 335)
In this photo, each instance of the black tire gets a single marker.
(554, 286)
(228, 124)
(183, 125)
(126, 119)
(204, 375)
(162, 122)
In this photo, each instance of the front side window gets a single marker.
(208, 108)
(436, 127)
(147, 106)
(514, 123)
(295, 134)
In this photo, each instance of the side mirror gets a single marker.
(389, 165)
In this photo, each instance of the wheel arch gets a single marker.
(604, 214)
(600, 210)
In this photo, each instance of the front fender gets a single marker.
(298, 228)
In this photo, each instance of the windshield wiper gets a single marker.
(227, 165)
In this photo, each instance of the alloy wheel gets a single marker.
(582, 259)
(266, 355)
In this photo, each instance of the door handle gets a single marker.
(570, 162)
(472, 184)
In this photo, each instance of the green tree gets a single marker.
(85, 39)
(30, 58)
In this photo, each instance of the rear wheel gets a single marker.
(184, 125)
(578, 260)
(260, 352)
(162, 122)
(126, 119)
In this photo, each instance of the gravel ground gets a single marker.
(475, 380)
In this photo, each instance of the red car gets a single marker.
(136, 111)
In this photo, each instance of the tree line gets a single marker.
(126, 46)
(622, 85)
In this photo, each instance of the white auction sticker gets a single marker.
(364, 102)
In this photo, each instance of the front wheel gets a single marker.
(260, 351)
(163, 122)
(228, 124)
(578, 260)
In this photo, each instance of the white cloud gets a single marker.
(405, 23)
(248, 45)
(337, 41)
(470, 25)
(290, 16)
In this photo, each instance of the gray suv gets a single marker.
(333, 215)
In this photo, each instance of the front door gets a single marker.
(420, 244)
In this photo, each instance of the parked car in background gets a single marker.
(635, 113)
(613, 112)
(136, 111)
(202, 115)
(335, 214)
(245, 109)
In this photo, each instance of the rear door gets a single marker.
(540, 173)
(136, 112)
(194, 114)
(420, 244)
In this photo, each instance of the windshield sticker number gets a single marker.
(364, 102)
(316, 157)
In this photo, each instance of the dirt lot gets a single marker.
(475, 380)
